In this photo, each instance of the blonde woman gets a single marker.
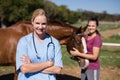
(38, 55)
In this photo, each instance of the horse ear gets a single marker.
(84, 28)
(79, 30)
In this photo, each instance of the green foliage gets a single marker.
(12, 11)
(51, 9)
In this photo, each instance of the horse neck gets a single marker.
(60, 32)
(22, 27)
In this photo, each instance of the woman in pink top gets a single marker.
(94, 43)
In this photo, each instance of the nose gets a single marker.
(40, 26)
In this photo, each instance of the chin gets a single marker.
(39, 32)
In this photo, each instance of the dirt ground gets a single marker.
(106, 73)
(73, 73)
(68, 73)
(108, 33)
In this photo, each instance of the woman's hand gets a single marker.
(75, 52)
(50, 62)
(25, 59)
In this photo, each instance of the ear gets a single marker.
(32, 23)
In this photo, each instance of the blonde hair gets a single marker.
(38, 12)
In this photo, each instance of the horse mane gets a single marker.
(60, 23)
(21, 27)
(26, 25)
(50, 23)
(19, 24)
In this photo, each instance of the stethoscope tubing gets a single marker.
(48, 45)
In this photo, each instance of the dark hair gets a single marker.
(97, 23)
(94, 19)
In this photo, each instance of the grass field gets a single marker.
(108, 57)
(113, 39)
(102, 25)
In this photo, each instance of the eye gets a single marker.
(44, 23)
(37, 23)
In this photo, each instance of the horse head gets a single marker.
(76, 41)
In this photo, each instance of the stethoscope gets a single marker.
(48, 45)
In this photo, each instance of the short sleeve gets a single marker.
(97, 41)
(21, 50)
(58, 55)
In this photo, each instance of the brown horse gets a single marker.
(66, 34)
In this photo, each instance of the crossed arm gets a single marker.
(45, 67)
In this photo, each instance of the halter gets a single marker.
(84, 48)
(73, 39)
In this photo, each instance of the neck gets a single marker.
(92, 34)
(40, 36)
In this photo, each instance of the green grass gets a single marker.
(6, 69)
(110, 57)
(102, 27)
(79, 25)
(67, 60)
(113, 39)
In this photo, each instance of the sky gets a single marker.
(110, 6)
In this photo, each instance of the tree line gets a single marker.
(12, 11)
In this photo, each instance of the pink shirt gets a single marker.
(94, 42)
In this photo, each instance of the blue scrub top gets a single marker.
(26, 47)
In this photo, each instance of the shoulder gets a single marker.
(97, 41)
(54, 40)
(26, 37)
(52, 37)
(97, 37)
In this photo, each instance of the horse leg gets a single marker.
(15, 74)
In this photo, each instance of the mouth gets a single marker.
(41, 30)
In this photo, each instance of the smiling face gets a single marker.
(39, 24)
(92, 27)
